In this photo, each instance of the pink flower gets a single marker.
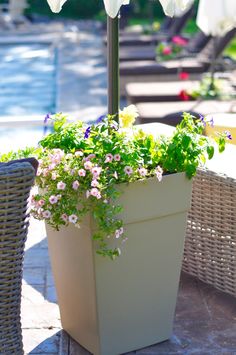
(87, 193)
(94, 183)
(142, 171)
(117, 157)
(61, 185)
(115, 175)
(167, 50)
(88, 165)
(82, 172)
(109, 158)
(119, 232)
(75, 185)
(159, 173)
(64, 217)
(72, 171)
(180, 41)
(96, 171)
(183, 75)
(51, 166)
(53, 199)
(94, 192)
(41, 202)
(57, 156)
(128, 170)
(54, 175)
(46, 214)
(73, 218)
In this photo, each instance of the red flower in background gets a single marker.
(183, 75)
(183, 95)
(180, 41)
(167, 50)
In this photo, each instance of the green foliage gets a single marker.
(80, 168)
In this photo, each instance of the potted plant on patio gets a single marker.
(115, 201)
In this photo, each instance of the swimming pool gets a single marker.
(27, 88)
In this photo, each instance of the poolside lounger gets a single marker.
(167, 91)
(175, 28)
(134, 53)
(150, 71)
(171, 112)
(157, 92)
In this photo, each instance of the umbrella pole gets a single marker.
(113, 66)
(213, 64)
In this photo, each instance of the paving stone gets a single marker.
(42, 315)
(64, 347)
(50, 294)
(34, 276)
(36, 257)
(41, 341)
(76, 349)
(31, 295)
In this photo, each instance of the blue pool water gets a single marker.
(27, 79)
(27, 87)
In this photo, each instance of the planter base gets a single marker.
(115, 307)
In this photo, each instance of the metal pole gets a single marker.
(113, 66)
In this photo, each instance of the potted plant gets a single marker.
(115, 201)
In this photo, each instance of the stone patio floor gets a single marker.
(205, 319)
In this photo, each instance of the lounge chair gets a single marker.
(167, 91)
(171, 112)
(150, 71)
(176, 26)
(135, 53)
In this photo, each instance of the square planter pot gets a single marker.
(112, 307)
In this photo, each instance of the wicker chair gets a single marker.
(16, 179)
(210, 246)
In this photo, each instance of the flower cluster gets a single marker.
(170, 50)
(208, 89)
(81, 167)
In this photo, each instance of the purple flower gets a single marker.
(202, 118)
(100, 118)
(228, 135)
(211, 122)
(87, 133)
(46, 118)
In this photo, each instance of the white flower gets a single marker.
(73, 218)
(159, 172)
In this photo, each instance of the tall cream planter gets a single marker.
(112, 307)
